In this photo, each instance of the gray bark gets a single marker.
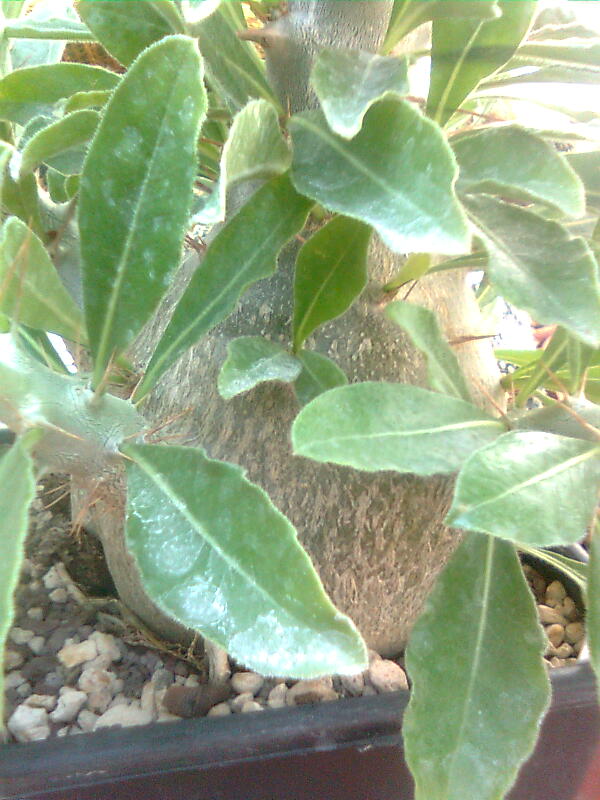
(377, 541)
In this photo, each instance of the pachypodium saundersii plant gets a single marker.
(327, 312)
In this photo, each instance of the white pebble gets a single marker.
(237, 702)
(192, 680)
(70, 703)
(71, 655)
(250, 706)
(52, 579)
(35, 613)
(59, 595)
(24, 690)
(277, 695)
(98, 685)
(13, 679)
(47, 701)
(20, 636)
(387, 676)
(148, 700)
(87, 720)
(36, 645)
(243, 682)
(12, 659)
(124, 716)
(220, 710)
(319, 690)
(29, 724)
(106, 645)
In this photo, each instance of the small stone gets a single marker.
(387, 676)
(87, 720)
(373, 656)
(277, 696)
(192, 701)
(568, 609)
(192, 680)
(250, 706)
(47, 701)
(574, 632)
(20, 635)
(238, 701)
(555, 634)
(98, 685)
(124, 716)
(13, 679)
(314, 691)
(550, 616)
(24, 690)
(353, 684)
(36, 613)
(39, 667)
(119, 700)
(59, 595)
(557, 662)
(64, 731)
(52, 579)
(70, 703)
(37, 644)
(106, 646)
(163, 678)
(220, 710)
(369, 691)
(72, 655)
(243, 682)
(555, 593)
(562, 651)
(578, 646)
(12, 659)
(28, 724)
(148, 700)
(536, 581)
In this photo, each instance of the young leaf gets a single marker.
(21, 199)
(463, 51)
(473, 720)
(18, 490)
(30, 289)
(136, 191)
(562, 421)
(29, 92)
(331, 271)
(538, 267)
(252, 360)
(539, 372)
(381, 426)
(244, 251)
(582, 52)
(125, 29)
(407, 196)
(49, 29)
(254, 149)
(82, 100)
(587, 166)
(215, 554)
(348, 82)
(422, 326)
(516, 488)
(319, 374)
(487, 164)
(232, 65)
(592, 616)
(68, 133)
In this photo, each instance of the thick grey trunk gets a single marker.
(377, 541)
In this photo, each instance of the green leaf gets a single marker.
(255, 149)
(579, 357)
(566, 53)
(12, 8)
(421, 324)
(21, 199)
(407, 196)
(232, 65)
(125, 29)
(592, 616)
(56, 185)
(18, 490)
(575, 571)
(538, 267)
(415, 266)
(244, 251)
(252, 360)
(576, 75)
(30, 290)
(215, 554)
(33, 91)
(587, 166)
(487, 164)
(474, 717)
(319, 374)
(45, 16)
(515, 488)
(348, 82)
(558, 419)
(135, 193)
(83, 100)
(37, 344)
(68, 133)
(463, 51)
(381, 426)
(53, 28)
(540, 371)
(331, 271)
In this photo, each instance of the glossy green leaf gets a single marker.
(331, 271)
(215, 554)
(53, 28)
(407, 196)
(244, 251)
(487, 164)
(127, 28)
(443, 370)
(537, 266)
(463, 51)
(592, 615)
(516, 487)
(319, 374)
(252, 360)
(68, 133)
(232, 65)
(255, 149)
(18, 490)
(29, 92)
(348, 82)
(136, 191)
(409, 14)
(30, 289)
(568, 419)
(381, 426)
(474, 717)
(415, 266)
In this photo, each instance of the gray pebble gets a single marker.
(24, 690)
(277, 696)
(163, 678)
(220, 710)
(37, 645)
(20, 635)
(59, 595)
(87, 720)
(238, 702)
(13, 679)
(36, 613)
(251, 706)
(12, 659)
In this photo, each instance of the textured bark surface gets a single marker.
(377, 541)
